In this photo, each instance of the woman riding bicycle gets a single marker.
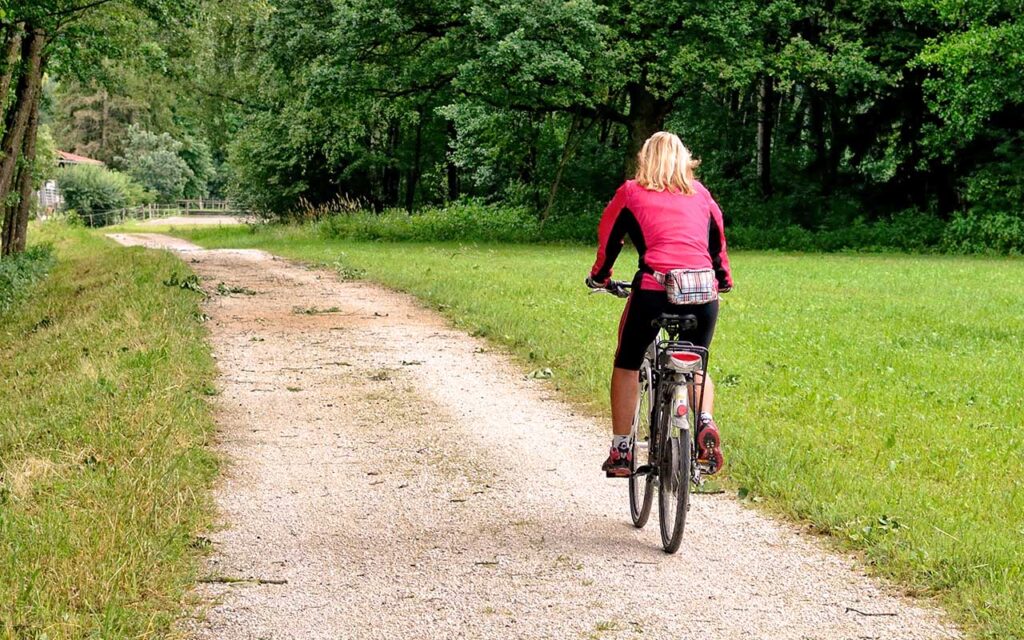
(674, 223)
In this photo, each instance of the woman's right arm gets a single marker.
(611, 233)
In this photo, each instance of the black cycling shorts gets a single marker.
(636, 331)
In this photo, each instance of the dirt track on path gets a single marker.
(408, 482)
(192, 221)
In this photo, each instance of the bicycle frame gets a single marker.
(672, 389)
(671, 368)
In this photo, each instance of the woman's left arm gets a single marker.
(716, 245)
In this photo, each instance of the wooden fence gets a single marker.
(190, 208)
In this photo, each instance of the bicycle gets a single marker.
(664, 431)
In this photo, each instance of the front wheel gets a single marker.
(641, 487)
(673, 485)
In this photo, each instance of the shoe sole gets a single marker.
(710, 447)
(623, 472)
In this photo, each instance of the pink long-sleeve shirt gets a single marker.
(669, 231)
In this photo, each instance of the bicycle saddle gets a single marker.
(674, 322)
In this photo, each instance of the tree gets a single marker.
(812, 113)
(976, 90)
(19, 138)
(153, 160)
(76, 36)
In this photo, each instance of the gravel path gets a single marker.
(377, 462)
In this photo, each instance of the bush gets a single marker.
(906, 231)
(469, 220)
(999, 233)
(96, 193)
(20, 271)
(473, 221)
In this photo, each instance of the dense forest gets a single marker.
(821, 115)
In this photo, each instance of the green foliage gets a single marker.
(474, 221)
(908, 231)
(461, 221)
(979, 58)
(96, 193)
(877, 107)
(196, 154)
(155, 161)
(977, 91)
(20, 271)
(269, 173)
(72, 219)
(995, 233)
(44, 165)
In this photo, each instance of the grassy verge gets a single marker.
(103, 426)
(878, 397)
(18, 273)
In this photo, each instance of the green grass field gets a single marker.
(878, 397)
(104, 470)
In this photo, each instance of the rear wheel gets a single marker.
(641, 487)
(674, 483)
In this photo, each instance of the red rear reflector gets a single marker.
(681, 410)
(686, 356)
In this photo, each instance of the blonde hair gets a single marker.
(665, 164)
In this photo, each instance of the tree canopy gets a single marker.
(817, 113)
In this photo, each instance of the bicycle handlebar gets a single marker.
(617, 288)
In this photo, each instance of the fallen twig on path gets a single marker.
(866, 613)
(234, 580)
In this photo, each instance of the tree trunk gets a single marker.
(528, 169)
(795, 131)
(604, 131)
(27, 95)
(391, 176)
(452, 169)
(817, 126)
(25, 183)
(836, 149)
(104, 118)
(646, 117)
(567, 150)
(765, 121)
(12, 46)
(414, 172)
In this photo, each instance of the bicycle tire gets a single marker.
(641, 488)
(674, 481)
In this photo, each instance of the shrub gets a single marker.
(96, 193)
(999, 233)
(907, 231)
(72, 219)
(468, 220)
(20, 271)
(574, 214)
(474, 221)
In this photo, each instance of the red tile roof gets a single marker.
(76, 159)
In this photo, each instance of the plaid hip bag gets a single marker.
(689, 286)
